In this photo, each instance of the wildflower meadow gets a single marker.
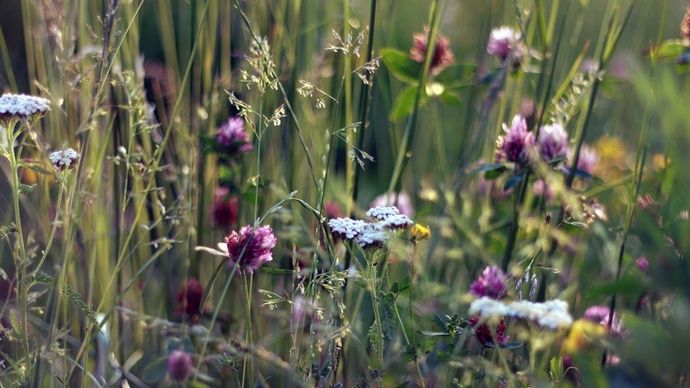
(344, 193)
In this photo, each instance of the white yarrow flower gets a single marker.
(22, 105)
(346, 228)
(372, 235)
(552, 314)
(64, 159)
(397, 221)
(382, 213)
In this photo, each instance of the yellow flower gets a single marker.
(613, 157)
(420, 232)
(582, 333)
(660, 161)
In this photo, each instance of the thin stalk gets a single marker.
(248, 362)
(377, 313)
(364, 95)
(13, 132)
(405, 151)
(628, 225)
(53, 229)
(286, 100)
(514, 227)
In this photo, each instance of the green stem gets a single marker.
(20, 257)
(405, 152)
(377, 312)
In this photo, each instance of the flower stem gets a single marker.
(377, 313)
(20, 256)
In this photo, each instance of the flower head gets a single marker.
(63, 159)
(685, 25)
(233, 136)
(382, 213)
(303, 311)
(553, 142)
(180, 365)
(189, 299)
(491, 283)
(401, 201)
(541, 188)
(224, 209)
(588, 159)
(420, 232)
(581, 334)
(333, 210)
(600, 314)
(506, 44)
(442, 56)
(398, 221)
(249, 248)
(642, 264)
(484, 333)
(514, 145)
(346, 228)
(22, 106)
(552, 314)
(372, 236)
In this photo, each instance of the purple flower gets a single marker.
(491, 283)
(250, 247)
(180, 365)
(224, 209)
(442, 56)
(642, 264)
(541, 188)
(506, 43)
(484, 333)
(189, 300)
(233, 136)
(400, 200)
(685, 25)
(514, 145)
(553, 142)
(600, 314)
(588, 159)
(303, 311)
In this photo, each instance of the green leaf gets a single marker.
(25, 189)
(513, 181)
(433, 333)
(490, 170)
(669, 49)
(37, 168)
(404, 103)
(556, 369)
(450, 99)
(155, 371)
(401, 65)
(629, 285)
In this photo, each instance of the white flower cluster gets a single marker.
(346, 228)
(370, 234)
(397, 221)
(381, 213)
(22, 105)
(63, 159)
(552, 314)
(389, 216)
